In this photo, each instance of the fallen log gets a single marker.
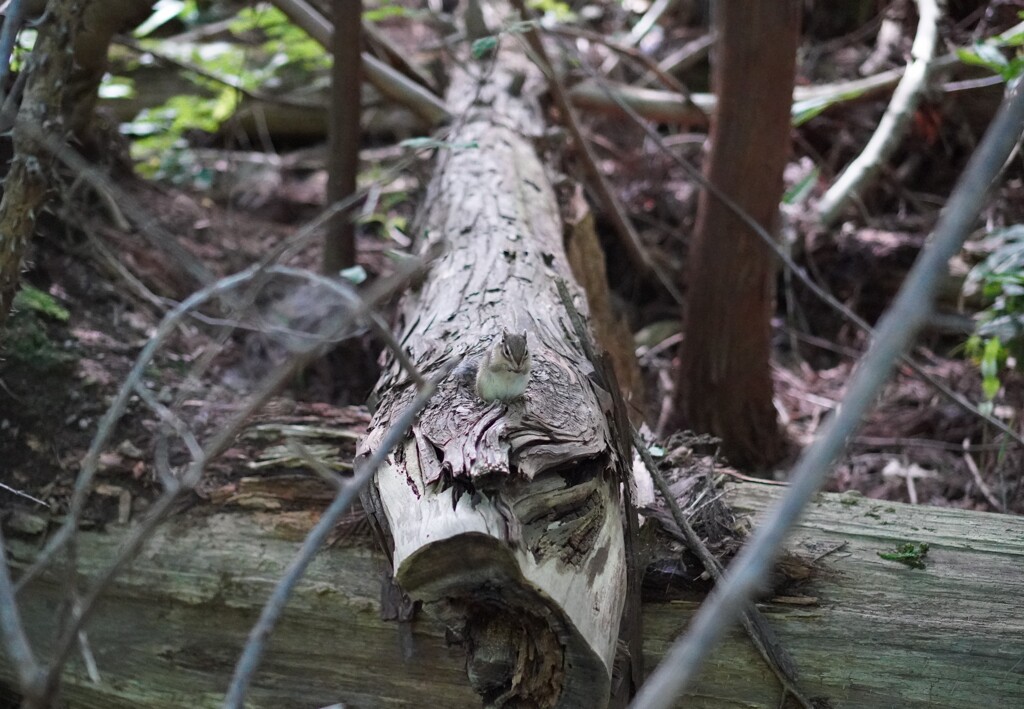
(866, 632)
(504, 517)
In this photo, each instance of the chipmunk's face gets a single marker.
(514, 351)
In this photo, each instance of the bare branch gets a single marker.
(19, 493)
(894, 121)
(15, 642)
(898, 328)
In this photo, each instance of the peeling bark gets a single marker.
(504, 519)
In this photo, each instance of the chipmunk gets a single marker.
(504, 371)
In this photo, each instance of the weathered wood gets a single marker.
(504, 518)
(875, 633)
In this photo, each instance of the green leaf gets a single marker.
(484, 46)
(798, 193)
(353, 274)
(910, 554)
(387, 12)
(990, 54)
(990, 387)
(557, 10)
(425, 142)
(31, 298)
(163, 12)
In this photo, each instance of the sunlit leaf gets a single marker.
(354, 274)
(163, 12)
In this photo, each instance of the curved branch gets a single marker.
(859, 174)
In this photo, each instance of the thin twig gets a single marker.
(92, 670)
(633, 53)
(170, 419)
(880, 442)
(15, 642)
(299, 449)
(899, 326)
(751, 479)
(649, 19)
(19, 493)
(855, 179)
(253, 652)
(979, 481)
(686, 56)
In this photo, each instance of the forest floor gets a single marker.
(63, 365)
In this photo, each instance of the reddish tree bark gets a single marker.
(724, 385)
(346, 109)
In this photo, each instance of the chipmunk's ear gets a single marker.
(524, 334)
(505, 333)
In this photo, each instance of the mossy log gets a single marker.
(865, 632)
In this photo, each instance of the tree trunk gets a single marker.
(504, 519)
(865, 632)
(724, 384)
(26, 182)
(60, 93)
(101, 20)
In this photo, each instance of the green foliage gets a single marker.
(799, 192)
(910, 554)
(484, 47)
(385, 222)
(990, 55)
(30, 298)
(284, 52)
(26, 340)
(555, 9)
(998, 341)
(993, 59)
(286, 45)
(353, 274)
(389, 11)
(160, 144)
